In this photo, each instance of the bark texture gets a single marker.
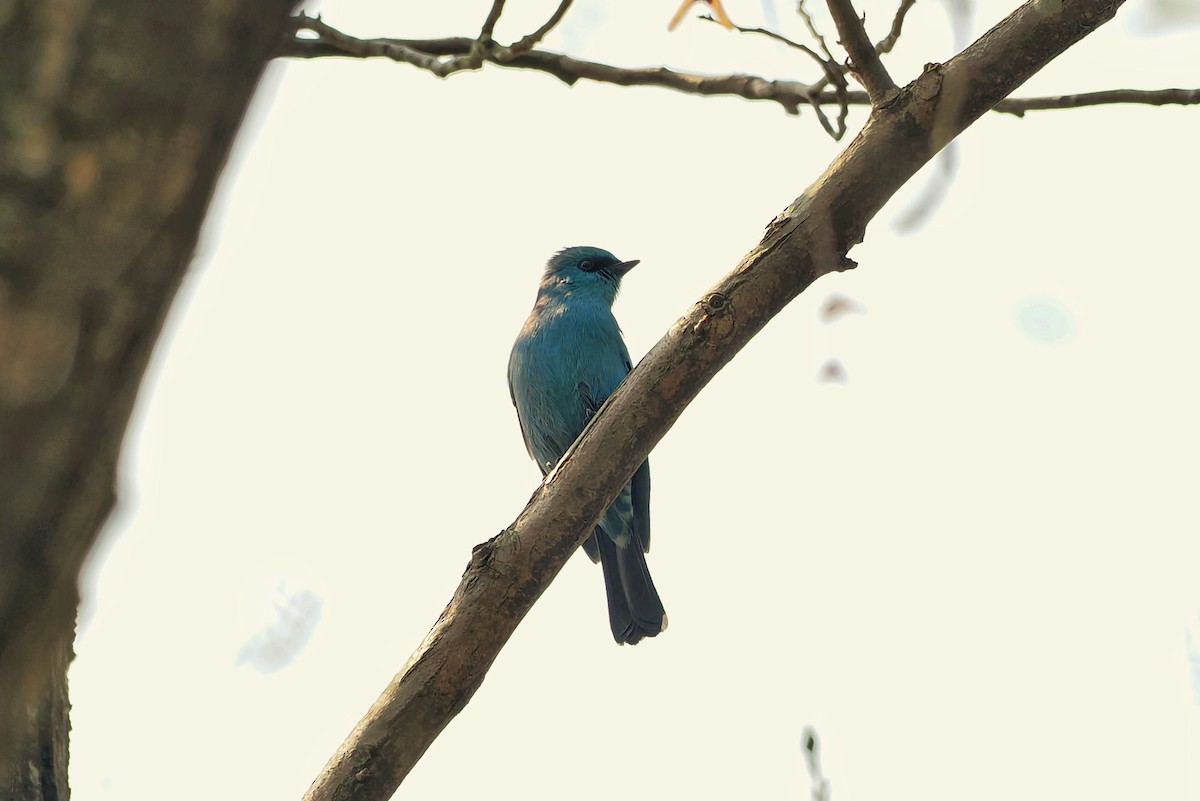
(116, 119)
(808, 239)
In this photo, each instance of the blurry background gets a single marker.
(954, 529)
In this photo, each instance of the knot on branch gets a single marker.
(717, 318)
(481, 555)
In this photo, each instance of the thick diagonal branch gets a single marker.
(808, 239)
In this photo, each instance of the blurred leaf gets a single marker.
(278, 643)
(717, 9)
(837, 306)
(832, 372)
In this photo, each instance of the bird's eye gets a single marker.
(586, 265)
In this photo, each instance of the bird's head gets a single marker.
(585, 272)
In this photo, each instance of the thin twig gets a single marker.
(489, 24)
(886, 44)
(833, 74)
(813, 54)
(835, 133)
(529, 42)
(812, 29)
(840, 80)
(864, 61)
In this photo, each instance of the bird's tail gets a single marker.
(634, 609)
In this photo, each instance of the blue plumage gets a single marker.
(568, 358)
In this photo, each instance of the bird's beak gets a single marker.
(619, 270)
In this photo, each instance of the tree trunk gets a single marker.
(115, 120)
(39, 758)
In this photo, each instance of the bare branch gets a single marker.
(886, 44)
(441, 53)
(864, 61)
(1149, 97)
(788, 94)
(810, 238)
(332, 42)
(431, 54)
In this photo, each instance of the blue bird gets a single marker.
(568, 358)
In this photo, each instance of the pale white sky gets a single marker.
(973, 568)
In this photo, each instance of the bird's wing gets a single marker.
(604, 374)
(524, 431)
(543, 446)
(591, 401)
